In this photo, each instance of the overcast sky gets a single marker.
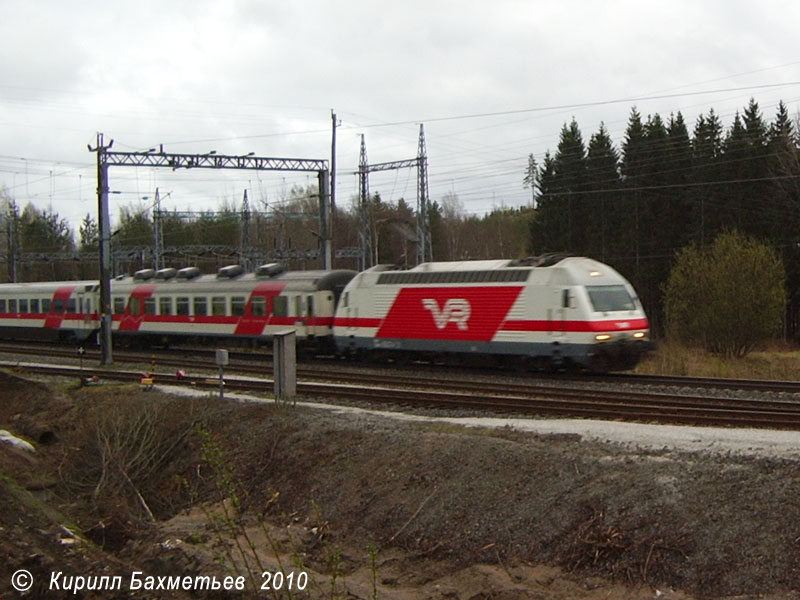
(492, 82)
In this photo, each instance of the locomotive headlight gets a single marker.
(602, 337)
(639, 335)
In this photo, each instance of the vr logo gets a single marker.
(455, 310)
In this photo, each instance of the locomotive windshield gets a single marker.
(608, 298)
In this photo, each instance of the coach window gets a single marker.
(237, 306)
(3, 305)
(182, 306)
(45, 305)
(258, 306)
(12, 306)
(165, 306)
(72, 306)
(218, 308)
(149, 306)
(310, 305)
(23, 306)
(200, 305)
(35, 305)
(280, 306)
(119, 305)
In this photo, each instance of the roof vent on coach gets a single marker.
(230, 271)
(167, 273)
(270, 270)
(188, 273)
(144, 274)
(544, 260)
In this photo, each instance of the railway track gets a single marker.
(543, 397)
(260, 364)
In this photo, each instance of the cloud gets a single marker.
(262, 75)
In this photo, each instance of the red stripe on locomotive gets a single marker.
(576, 326)
(449, 313)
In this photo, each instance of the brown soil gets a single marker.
(372, 508)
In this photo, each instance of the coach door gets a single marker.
(557, 314)
(84, 307)
(351, 313)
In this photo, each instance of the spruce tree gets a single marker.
(758, 206)
(681, 209)
(735, 172)
(784, 168)
(632, 167)
(705, 175)
(546, 230)
(558, 224)
(570, 183)
(603, 186)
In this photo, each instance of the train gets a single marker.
(546, 312)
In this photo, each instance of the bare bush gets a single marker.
(727, 297)
(128, 450)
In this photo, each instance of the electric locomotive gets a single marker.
(553, 311)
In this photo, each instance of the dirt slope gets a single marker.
(370, 507)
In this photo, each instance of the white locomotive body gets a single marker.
(553, 311)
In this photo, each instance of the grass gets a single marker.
(773, 362)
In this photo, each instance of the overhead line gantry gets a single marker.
(175, 161)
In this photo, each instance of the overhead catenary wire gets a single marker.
(461, 158)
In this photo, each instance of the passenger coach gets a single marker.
(169, 303)
(172, 305)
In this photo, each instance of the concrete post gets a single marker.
(284, 365)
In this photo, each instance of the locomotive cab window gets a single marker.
(610, 298)
(135, 306)
(119, 305)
